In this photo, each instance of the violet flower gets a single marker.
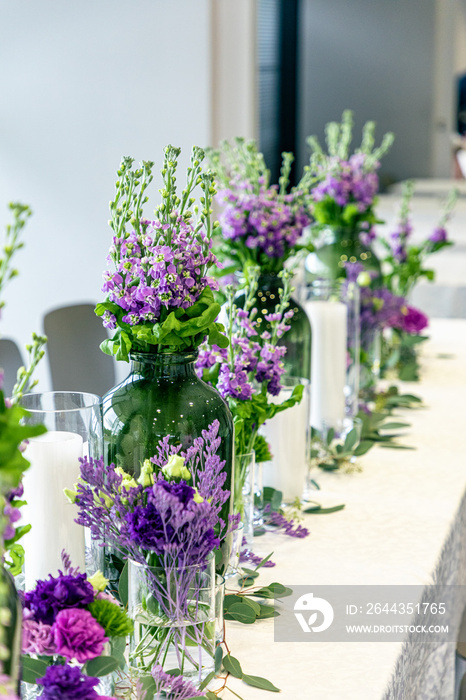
(58, 593)
(67, 683)
(37, 638)
(173, 687)
(77, 635)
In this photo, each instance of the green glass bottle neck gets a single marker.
(166, 365)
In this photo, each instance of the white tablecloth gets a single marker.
(404, 523)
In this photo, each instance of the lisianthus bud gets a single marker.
(197, 498)
(128, 481)
(175, 469)
(70, 494)
(363, 279)
(98, 581)
(146, 477)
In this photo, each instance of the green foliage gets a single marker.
(233, 667)
(113, 619)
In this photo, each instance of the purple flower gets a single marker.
(54, 594)
(77, 635)
(37, 638)
(438, 235)
(67, 683)
(173, 687)
(414, 321)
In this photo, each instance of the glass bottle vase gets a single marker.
(162, 395)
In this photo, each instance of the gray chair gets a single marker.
(74, 334)
(10, 361)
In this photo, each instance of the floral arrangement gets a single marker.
(68, 621)
(342, 189)
(260, 223)
(248, 374)
(169, 530)
(159, 295)
(404, 262)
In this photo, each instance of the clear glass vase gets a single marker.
(161, 396)
(175, 619)
(334, 247)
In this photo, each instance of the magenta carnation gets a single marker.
(77, 635)
(414, 321)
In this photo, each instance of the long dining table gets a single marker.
(404, 523)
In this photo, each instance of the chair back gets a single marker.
(74, 334)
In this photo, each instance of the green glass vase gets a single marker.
(297, 340)
(334, 247)
(162, 395)
(10, 633)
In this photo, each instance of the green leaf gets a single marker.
(325, 511)
(233, 666)
(241, 613)
(102, 666)
(210, 695)
(250, 572)
(362, 448)
(252, 604)
(393, 426)
(123, 585)
(218, 658)
(259, 682)
(205, 682)
(33, 669)
(267, 611)
(351, 440)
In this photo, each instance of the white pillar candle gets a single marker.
(287, 434)
(54, 466)
(328, 362)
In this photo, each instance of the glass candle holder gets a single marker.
(74, 430)
(288, 435)
(333, 309)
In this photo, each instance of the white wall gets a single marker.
(82, 84)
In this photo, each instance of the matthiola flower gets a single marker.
(77, 635)
(67, 683)
(265, 221)
(348, 181)
(439, 235)
(58, 593)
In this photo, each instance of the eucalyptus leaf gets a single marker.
(241, 613)
(218, 656)
(33, 669)
(259, 682)
(102, 666)
(233, 666)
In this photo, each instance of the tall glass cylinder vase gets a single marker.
(248, 494)
(297, 340)
(174, 613)
(333, 309)
(163, 396)
(74, 430)
(288, 436)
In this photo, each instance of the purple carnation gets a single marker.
(58, 593)
(414, 321)
(67, 683)
(78, 635)
(37, 638)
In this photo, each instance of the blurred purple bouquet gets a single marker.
(404, 262)
(67, 622)
(260, 223)
(343, 188)
(159, 294)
